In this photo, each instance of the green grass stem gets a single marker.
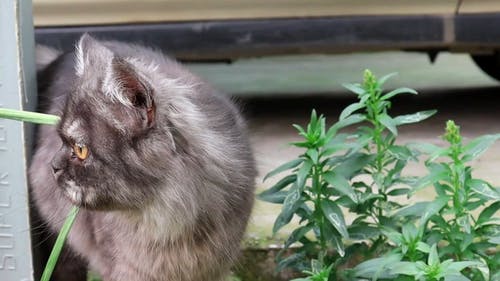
(61, 238)
(27, 116)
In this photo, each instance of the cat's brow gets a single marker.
(72, 130)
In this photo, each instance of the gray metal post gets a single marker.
(17, 91)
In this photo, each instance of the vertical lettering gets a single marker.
(8, 262)
(5, 198)
(3, 223)
(3, 179)
(7, 241)
(3, 134)
(3, 138)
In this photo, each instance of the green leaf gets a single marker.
(487, 213)
(364, 197)
(456, 267)
(297, 234)
(335, 216)
(303, 173)
(404, 267)
(337, 243)
(413, 118)
(290, 205)
(423, 247)
(464, 223)
(438, 172)
(335, 145)
(276, 198)
(378, 267)
(397, 92)
(334, 238)
(485, 189)
(415, 210)
(284, 182)
(287, 166)
(340, 184)
(304, 212)
(433, 258)
(399, 191)
(478, 145)
(492, 232)
(392, 235)
(433, 208)
(314, 118)
(291, 260)
(352, 164)
(301, 130)
(402, 152)
(495, 276)
(494, 240)
(384, 78)
(426, 148)
(410, 232)
(455, 277)
(389, 123)
(313, 155)
(355, 88)
(61, 238)
(350, 109)
(28, 116)
(352, 119)
(362, 142)
(473, 205)
(363, 232)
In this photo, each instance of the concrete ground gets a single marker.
(454, 86)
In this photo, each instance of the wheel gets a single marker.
(490, 64)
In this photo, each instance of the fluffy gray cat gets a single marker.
(158, 162)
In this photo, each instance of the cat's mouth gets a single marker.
(76, 194)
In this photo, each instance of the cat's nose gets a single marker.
(56, 169)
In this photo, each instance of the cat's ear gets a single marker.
(123, 84)
(91, 54)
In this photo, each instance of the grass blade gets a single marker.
(61, 238)
(27, 116)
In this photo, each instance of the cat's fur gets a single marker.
(167, 188)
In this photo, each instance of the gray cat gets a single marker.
(158, 162)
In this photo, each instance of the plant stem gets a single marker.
(316, 184)
(56, 250)
(26, 116)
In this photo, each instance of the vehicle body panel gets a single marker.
(92, 12)
(479, 6)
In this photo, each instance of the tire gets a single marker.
(490, 64)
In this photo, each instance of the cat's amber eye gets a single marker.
(81, 151)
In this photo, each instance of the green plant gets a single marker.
(362, 173)
(318, 272)
(466, 240)
(324, 178)
(450, 218)
(390, 267)
(61, 238)
(376, 141)
(307, 193)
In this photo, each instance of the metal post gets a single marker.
(17, 91)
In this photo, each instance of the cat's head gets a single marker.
(108, 129)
